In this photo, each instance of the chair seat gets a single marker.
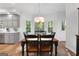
(45, 49)
(32, 49)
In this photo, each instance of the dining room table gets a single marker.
(55, 43)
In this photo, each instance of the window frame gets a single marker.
(50, 26)
(28, 26)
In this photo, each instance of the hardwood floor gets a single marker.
(15, 49)
(11, 50)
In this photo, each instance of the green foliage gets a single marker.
(63, 25)
(50, 26)
(28, 26)
(39, 26)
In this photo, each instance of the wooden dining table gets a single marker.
(55, 42)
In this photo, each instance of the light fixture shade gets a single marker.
(39, 19)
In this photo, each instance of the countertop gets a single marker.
(11, 31)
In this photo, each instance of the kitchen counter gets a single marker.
(10, 32)
(9, 37)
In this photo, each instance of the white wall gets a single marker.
(72, 26)
(60, 35)
(57, 19)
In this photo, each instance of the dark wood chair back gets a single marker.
(40, 32)
(46, 39)
(46, 44)
(31, 44)
(53, 33)
(47, 36)
(31, 36)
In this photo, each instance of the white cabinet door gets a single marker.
(7, 38)
(9, 21)
(2, 40)
(9, 24)
(5, 23)
(16, 37)
(1, 23)
(16, 21)
(11, 38)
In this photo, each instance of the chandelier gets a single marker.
(39, 18)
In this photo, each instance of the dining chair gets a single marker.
(46, 44)
(31, 44)
(53, 33)
(40, 32)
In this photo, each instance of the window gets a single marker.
(63, 25)
(39, 26)
(50, 26)
(28, 26)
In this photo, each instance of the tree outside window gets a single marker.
(28, 26)
(39, 26)
(50, 26)
(63, 25)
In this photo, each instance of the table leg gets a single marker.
(51, 49)
(37, 49)
(27, 49)
(22, 44)
(56, 44)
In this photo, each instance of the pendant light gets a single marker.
(39, 18)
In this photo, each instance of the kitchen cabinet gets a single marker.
(9, 37)
(16, 37)
(2, 38)
(5, 23)
(9, 24)
(1, 22)
(9, 20)
(7, 40)
(16, 20)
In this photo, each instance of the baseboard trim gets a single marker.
(71, 52)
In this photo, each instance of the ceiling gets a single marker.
(33, 8)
